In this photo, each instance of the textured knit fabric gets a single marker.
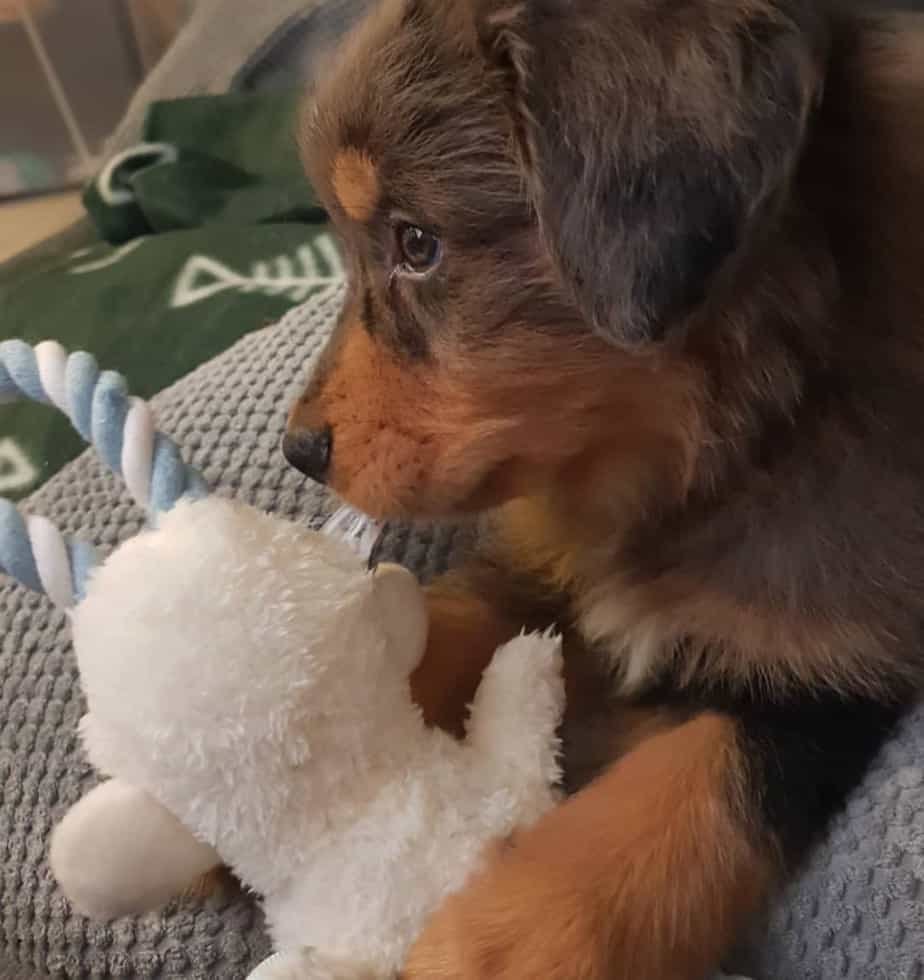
(228, 417)
(857, 912)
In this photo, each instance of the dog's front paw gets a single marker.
(515, 921)
(308, 963)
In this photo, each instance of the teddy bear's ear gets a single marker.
(402, 612)
(119, 852)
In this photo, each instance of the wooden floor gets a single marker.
(26, 222)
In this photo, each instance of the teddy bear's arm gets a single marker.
(516, 713)
(118, 851)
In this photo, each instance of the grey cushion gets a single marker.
(857, 910)
(228, 416)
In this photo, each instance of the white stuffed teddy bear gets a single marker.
(247, 690)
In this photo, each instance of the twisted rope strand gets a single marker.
(121, 429)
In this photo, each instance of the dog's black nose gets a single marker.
(308, 451)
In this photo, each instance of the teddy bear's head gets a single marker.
(235, 664)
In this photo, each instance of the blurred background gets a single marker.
(68, 69)
(153, 205)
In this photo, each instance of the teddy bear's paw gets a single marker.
(519, 704)
(308, 963)
(527, 671)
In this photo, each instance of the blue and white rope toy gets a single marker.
(120, 427)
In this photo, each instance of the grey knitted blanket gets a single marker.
(855, 912)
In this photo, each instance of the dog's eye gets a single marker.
(420, 250)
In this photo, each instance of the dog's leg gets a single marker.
(465, 630)
(647, 874)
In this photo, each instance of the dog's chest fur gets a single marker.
(610, 620)
(621, 621)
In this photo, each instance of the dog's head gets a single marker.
(536, 198)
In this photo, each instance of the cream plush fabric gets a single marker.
(253, 678)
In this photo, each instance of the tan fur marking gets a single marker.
(646, 873)
(465, 630)
(470, 428)
(356, 183)
(391, 421)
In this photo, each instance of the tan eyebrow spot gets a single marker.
(356, 183)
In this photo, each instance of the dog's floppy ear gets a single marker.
(652, 134)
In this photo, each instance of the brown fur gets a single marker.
(455, 455)
(219, 883)
(673, 877)
(673, 355)
(464, 632)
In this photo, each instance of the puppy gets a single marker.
(641, 284)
